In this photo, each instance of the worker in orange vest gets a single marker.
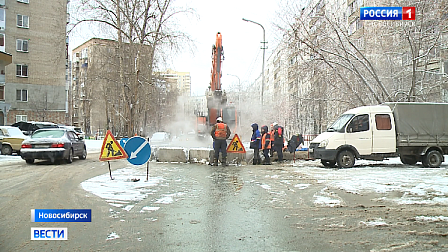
(265, 144)
(220, 132)
(279, 141)
(271, 135)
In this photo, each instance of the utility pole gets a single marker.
(264, 47)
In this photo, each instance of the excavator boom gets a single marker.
(216, 97)
(218, 57)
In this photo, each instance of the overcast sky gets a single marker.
(241, 40)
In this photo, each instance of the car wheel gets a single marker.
(29, 161)
(328, 163)
(346, 159)
(433, 159)
(70, 157)
(6, 150)
(84, 154)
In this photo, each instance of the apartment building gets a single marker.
(92, 62)
(99, 100)
(182, 80)
(33, 86)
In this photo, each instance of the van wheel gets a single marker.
(328, 163)
(408, 160)
(345, 159)
(432, 159)
(6, 150)
(29, 161)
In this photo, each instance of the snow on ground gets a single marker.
(122, 191)
(414, 184)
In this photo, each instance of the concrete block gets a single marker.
(290, 156)
(171, 154)
(153, 153)
(232, 158)
(199, 155)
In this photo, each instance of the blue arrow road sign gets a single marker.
(123, 141)
(138, 150)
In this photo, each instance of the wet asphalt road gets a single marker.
(234, 208)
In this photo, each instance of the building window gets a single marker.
(21, 118)
(22, 71)
(2, 93)
(22, 95)
(22, 45)
(22, 21)
(2, 39)
(23, 1)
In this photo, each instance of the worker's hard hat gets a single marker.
(219, 119)
(275, 124)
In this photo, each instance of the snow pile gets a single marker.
(121, 190)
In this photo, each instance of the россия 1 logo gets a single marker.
(387, 13)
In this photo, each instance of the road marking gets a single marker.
(134, 153)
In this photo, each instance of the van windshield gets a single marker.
(340, 123)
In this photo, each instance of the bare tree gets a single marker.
(360, 63)
(144, 29)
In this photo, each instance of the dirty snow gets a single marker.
(121, 190)
(112, 236)
(414, 184)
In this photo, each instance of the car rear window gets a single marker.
(159, 136)
(15, 132)
(48, 134)
(45, 126)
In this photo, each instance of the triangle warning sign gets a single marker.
(111, 149)
(236, 146)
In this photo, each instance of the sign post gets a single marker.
(139, 152)
(111, 150)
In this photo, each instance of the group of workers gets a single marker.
(268, 142)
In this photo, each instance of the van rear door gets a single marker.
(384, 133)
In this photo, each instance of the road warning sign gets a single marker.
(111, 149)
(236, 146)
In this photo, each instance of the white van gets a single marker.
(413, 131)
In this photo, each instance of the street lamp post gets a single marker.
(264, 49)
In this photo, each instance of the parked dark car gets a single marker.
(53, 144)
(29, 127)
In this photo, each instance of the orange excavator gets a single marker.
(216, 98)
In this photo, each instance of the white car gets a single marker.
(78, 131)
(160, 139)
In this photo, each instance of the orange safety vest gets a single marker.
(271, 134)
(221, 131)
(263, 142)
